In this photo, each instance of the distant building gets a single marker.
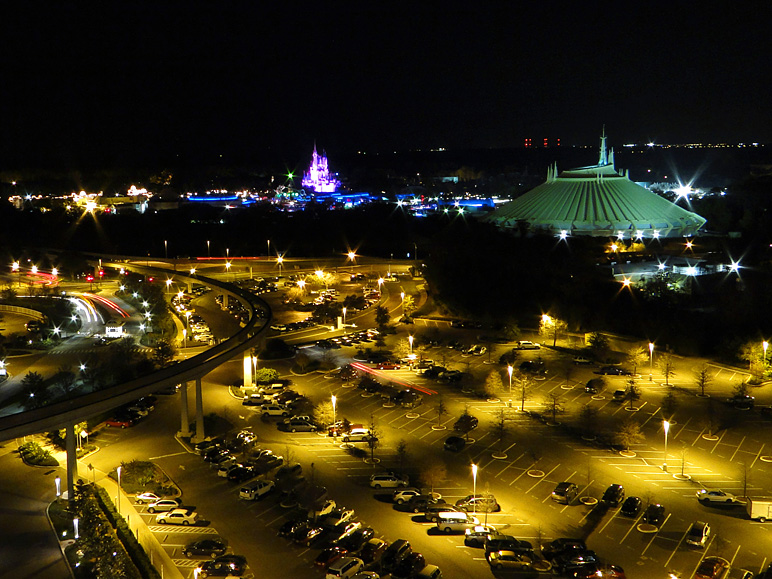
(114, 329)
(318, 176)
(596, 201)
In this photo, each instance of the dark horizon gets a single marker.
(149, 83)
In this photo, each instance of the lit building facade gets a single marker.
(318, 176)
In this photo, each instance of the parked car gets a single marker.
(209, 547)
(256, 489)
(296, 425)
(698, 534)
(715, 496)
(558, 546)
(613, 496)
(565, 492)
(254, 400)
(614, 371)
(432, 512)
(121, 422)
(477, 536)
(395, 552)
(241, 473)
(225, 566)
(454, 443)
(328, 556)
(271, 389)
(357, 539)
(620, 395)
(337, 517)
(485, 503)
(344, 568)
(527, 345)
(162, 505)
(654, 515)
(505, 543)
(631, 506)
(387, 481)
(403, 495)
(742, 402)
(712, 568)
(182, 517)
(388, 366)
(582, 361)
(573, 560)
(147, 497)
(420, 503)
(274, 410)
(509, 560)
(372, 550)
(358, 434)
(409, 566)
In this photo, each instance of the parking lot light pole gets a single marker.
(651, 361)
(666, 427)
(474, 488)
(410, 340)
(118, 470)
(334, 428)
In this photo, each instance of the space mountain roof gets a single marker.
(597, 201)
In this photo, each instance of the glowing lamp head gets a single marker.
(15, 266)
(661, 266)
(34, 269)
(319, 273)
(626, 282)
(192, 270)
(683, 191)
(734, 266)
(54, 272)
(614, 247)
(563, 234)
(280, 260)
(351, 255)
(621, 235)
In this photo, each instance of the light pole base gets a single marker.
(664, 467)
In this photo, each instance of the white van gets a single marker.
(255, 489)
(344, 568)
(456, 521)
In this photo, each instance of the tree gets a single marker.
(36, 393)
(636, 356)
(372, 440)
(401, 452)
(629, 433)
(599, 345)
(632, 393)
(667, 367)
(702, 378)
(588, 419)
(551, 327)
(408, 306)
(382, 317)
(553, 406)
(433, 474)
(741, 390)
(524, 382)
(324, 413)
(402, 349)
(465, 423)
(493, 384)
(441, 410)
(567, 369)
(500, 428)
(669, 404)
(65, 378)
(712, 420)
(266, 375)
(753, 353)
(163, 352)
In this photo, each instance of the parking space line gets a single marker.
(611, 518)
(737, 449)
(634, 525)
(718, 441)
(542, 479)
(656, 534)
(676, 548)
(757, 456)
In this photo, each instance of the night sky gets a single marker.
(145, 82)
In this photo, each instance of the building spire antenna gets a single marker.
(603, 155)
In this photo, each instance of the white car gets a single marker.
(225, 467)
(404, 495)
(182, 517)
(527, 345)
(162, 505)
(387, 481)
(143, 498)
(337, 517)
(274, 410)
(271, 389)
(715, 496)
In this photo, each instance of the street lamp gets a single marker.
(187, 328)
(302, 285)
(474, 488)
(764, 346)
(168, 284)
(119, 489)
(334, 428)
(344, 317)
(254, 371)
(410, 340)
(279, 262)
(509, 371)
(651, 361)
(380, 285)
(75, 522)
(58, 483)
(666, 427)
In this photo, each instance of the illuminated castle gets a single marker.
(318, 176)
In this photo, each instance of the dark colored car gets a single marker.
(558, 546)
(613, 496)
(598, 571)
(742, 402)
(309, 534)
(296, 425)
(614, 371)
(290, 527)
(397, 551)
(506, 543)
(533, 367)
(654, 515)
(372, 550)
(420, 503)
(225, 566)
(568, 562)
(211, 547)
(357, 539)
(408, 399)
(409, 566)
(454, 443)
(631, 506)
(241, 473)
(328, 556)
